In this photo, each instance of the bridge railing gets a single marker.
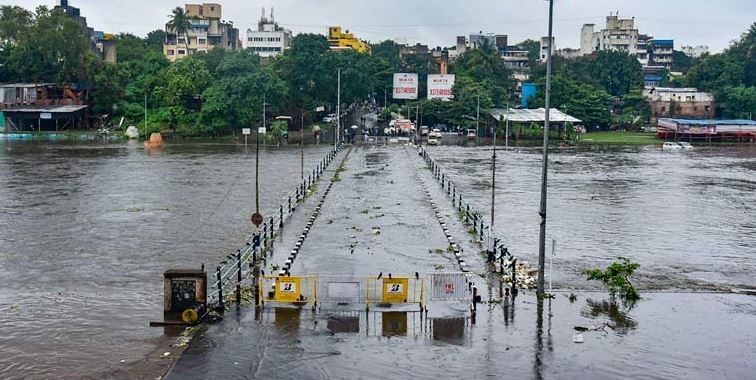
(236, 267)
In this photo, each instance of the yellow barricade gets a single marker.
(298, 290)
(395, 290)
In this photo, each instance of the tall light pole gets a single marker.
(477, 117)
(301, 145)
(544, 170)
(338, 109)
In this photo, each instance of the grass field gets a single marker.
(639, 138)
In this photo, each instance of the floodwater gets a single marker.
(689, 218)
(88, 229)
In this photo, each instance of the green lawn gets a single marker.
(639, 138)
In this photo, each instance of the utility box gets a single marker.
(185, 294)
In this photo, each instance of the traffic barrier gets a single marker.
(395, 290)
(296, 290)
(450, 286)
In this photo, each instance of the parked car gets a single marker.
(472, 134)
(432, 140)
(330, 118)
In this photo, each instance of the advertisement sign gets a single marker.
(405, 86)
(287, 289)
(395, 289)
(440, 86)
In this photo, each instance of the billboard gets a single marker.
(405, 86)
(440, 86)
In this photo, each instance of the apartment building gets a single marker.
(208, 31)
(269, 39)
(339, 40)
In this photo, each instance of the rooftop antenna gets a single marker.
(262, 17)
(271, 14)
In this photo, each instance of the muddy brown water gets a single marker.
(88, 229)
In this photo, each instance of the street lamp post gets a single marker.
(338, 110)
(544, 170)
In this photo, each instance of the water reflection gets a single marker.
(394, 323)
(343, 323)
(538, 350)
(621, 322)
(449, 330)
(287, 320)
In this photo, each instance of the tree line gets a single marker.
(215, 92)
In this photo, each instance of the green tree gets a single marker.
(590, 104)
(51, 49)
(182, 91)
(180, 23)
(533, 48)
(155, 40)
(737, 102)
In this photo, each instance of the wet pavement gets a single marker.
(680, 335)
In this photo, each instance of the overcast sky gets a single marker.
(689, 22)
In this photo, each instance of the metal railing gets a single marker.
(232, 270)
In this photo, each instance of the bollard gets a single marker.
(272, 228)
(289, 204)
(454, 195)
(481, 229)
(448, 188)
(221, 305)
(280, 216)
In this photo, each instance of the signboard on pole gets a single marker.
(440, 86)
(405, 86)
(262, 130)
(246, 131)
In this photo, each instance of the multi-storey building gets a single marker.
(475, 40)
(545, 45)
(103, 43)
(660, 53)
(346, 40)
(619, 34)
(208, 32)
(269, 39)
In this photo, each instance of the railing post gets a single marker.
(481, 229)
(272, 229)
(289, 204)
(238, 277)
(280, 216)
(221, 304)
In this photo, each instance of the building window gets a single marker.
(182, 40)
(201, 41)
(182, 52)
(171, 52)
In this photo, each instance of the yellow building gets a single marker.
(342, 41)
(208, 32)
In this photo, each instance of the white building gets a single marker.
(619, 34)
(543, 55)
(695, 51)
(269, 39)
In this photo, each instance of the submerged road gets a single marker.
(380, 217)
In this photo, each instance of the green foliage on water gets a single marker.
(625, 138)
(616, 277)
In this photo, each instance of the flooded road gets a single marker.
(88, 230)
(680, 335)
